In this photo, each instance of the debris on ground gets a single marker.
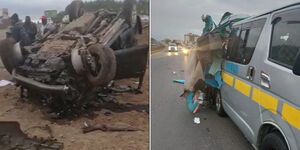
(179, 81)
(12, 138)
(5, 83)
(125, 107)
(112, 127)
(196, 120)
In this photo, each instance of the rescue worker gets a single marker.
(17, 31)
(30, 28)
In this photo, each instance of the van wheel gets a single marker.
(273, 141)
(219, 105)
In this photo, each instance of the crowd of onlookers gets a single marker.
(27, 32)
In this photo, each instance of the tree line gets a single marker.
(113, 5)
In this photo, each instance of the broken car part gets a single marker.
(12, 137)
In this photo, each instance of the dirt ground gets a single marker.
(32, 120)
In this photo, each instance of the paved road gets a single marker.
(172, 124)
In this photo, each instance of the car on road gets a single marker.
(172, 47)
(260, 73)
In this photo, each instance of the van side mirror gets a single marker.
(296, 68)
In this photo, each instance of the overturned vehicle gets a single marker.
(66, 66)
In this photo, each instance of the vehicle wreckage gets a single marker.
(66, 66)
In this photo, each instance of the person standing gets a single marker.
(44, 27)
(17, 31)
(30, 28)
(209, 24)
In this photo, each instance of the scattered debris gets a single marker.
(117, 127)
(125, 88)
(12, 138)
(5, 83)
(196, 120)
(45, 128)
(179, 81)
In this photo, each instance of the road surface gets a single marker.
(172, 125)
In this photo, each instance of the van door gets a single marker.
(238, 74)
(279, 85)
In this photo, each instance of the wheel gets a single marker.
(219, 105)
(11, 54)
(75, 10)
(273, 141)
(102, 65)
(129, 12)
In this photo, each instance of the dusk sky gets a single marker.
(173, 18)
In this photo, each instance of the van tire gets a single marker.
(219, 105)
(273, 140)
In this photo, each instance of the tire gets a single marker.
(219, 105)
(129, 12)
(11, 54)
(106, 61)
(74, 10)
(273, 141)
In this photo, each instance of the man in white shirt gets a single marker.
(44, 27)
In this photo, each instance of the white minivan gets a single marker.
(261, 82)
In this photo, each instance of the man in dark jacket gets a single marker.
(17, 31)
(30, 28)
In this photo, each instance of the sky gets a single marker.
(173, 18)
(33, 8)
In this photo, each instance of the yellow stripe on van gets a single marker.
(242, 87)
(262, 98)
(269, 102)
(256, 95)
(227, 78)
(291, 115)
(265, 100)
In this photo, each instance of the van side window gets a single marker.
(285, 43)
(233, 42)
(241, 47)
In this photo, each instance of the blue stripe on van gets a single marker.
(231, 67)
